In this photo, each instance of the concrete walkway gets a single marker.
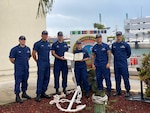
(7, 86)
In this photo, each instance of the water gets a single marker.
(139, 52)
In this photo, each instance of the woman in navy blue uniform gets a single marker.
(80, 68)
(60, 63)
(101, 56)
(19, 56)
(41, 49)
(121, 51)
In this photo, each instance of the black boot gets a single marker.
(64, 90)
(57, 92)
(44, 95)
(18, 99)
(108, 93)
(127, 94)
(24, 95)
(117, 94)
(38, 98)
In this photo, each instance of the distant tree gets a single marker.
(148, 35)
(99, 26)
(110, 38)
(143, 34)
(123, 37)
(44, 7)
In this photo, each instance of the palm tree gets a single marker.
(148, 35)
(99, 26)
(136, 35)
(44, 7)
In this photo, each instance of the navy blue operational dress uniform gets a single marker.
(19, 56)
(80, 68)
(121, 51)
(42, 49)
(60, 64)
(101, 54)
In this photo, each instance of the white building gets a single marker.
(137, 29)
(18, 17)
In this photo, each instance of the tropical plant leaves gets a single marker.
(44, 7)
(144, 73)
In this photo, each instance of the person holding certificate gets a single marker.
(60, 63)
(101, 56)
(80, 68)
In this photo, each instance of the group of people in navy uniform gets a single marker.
(101, 56)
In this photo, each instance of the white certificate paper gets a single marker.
(78, 56)
(71, 56)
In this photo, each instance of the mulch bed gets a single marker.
(115, 105)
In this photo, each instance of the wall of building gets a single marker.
(18, 17)
(137, 26)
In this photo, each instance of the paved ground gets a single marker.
(7, 86)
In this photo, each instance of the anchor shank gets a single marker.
(72, 100)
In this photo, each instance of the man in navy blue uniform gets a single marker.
(60, 63)
(42, 49)
(80, 68)
(19, 56)
(121, 51)
(101, 56)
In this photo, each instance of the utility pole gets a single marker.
(116, 28)
(100, 19)
(141, 11)
(126, 15)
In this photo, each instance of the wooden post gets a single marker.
(99, 108)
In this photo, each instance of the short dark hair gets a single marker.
(22, 38)
(60, 33)
(44, 32)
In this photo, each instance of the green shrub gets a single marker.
(144, 73)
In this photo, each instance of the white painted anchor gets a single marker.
(78, 94)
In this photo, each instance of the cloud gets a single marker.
(61, 16)
(61, 21)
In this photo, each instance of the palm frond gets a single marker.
(44, 7)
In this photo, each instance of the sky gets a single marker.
(70, 15)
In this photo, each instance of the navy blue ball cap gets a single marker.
(98, 36)
(22, 38)
(118, 33)
(78, 42)
(44, 32)
(60, 33)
